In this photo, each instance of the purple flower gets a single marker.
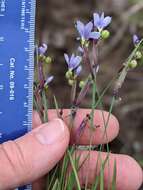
(85, 31)
(73, 61)
(78, 70)
(42, 49)
(49, 80)
(101, 22)
(80, 49)
(136, 39)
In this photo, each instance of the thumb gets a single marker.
(30, 157)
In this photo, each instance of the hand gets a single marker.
(32, 156)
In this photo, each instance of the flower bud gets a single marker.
(81, 84)
(138, 55)
(69, 74)
(49, 80)
(41, 57)
(105, 34)
(48, 60)
(42, 49)
(71, 82)
(133, 64)
(46, 87)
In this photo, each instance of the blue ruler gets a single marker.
(17, 27)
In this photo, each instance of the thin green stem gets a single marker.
(45, 104)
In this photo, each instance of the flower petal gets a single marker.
(66, 58)
(87, 30)
(78, 70)
(42, 49)
(102, 16)
(80, 28)
(76, 62)
(49, 80)
(96, 18)
(80, 49)
(107, 20)
(135, 39)
(72, 58)
(71, 62)
(94, 35)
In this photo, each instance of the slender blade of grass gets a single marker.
(53, 178)
(56, 185)
(45, 104)
(56, 106)
(114, 177)
(99, 180)
(64, 167)
(74, 170)
(102, 177)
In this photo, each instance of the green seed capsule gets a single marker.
(69, 74)
(71, 82)
(133, 64)
(48, 60)
(138, 55)
(81, 84)
(105, 34)
(41, 58)
(46, 87)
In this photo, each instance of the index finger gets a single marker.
(100, 135)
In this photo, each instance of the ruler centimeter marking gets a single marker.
(17, 29)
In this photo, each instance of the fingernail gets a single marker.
(51, 132)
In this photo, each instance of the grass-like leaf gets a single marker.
(53, 178)
(114, 177)
(75, 175)
(56, 185)
(45, 104)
